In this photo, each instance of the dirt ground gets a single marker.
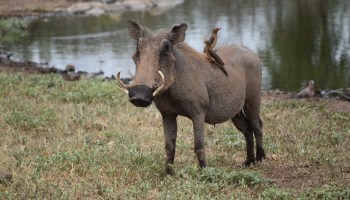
(333, 105)
(31, 7)
(285, 175)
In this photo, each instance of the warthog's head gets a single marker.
(154, 60)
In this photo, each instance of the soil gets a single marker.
(331, 104)
(31, 7)
(293, 177)
(24, 8)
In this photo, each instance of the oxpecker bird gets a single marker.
(214, 37)
(213, 56)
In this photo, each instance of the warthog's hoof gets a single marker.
(202, 164)
(260, 155)
(247, 163)
(169, 170)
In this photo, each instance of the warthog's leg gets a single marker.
(257, 127)
(199, 146)
(256, 124)
(170, 134)
(241, 123)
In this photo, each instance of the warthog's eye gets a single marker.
(137, 53)
(165, 48)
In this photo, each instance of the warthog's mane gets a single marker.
(158, 33)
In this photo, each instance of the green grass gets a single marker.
(84, 140)
(13, 29)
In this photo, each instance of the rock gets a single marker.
(134, 5)
(70, 68)
(5, 176)
(341, 94)
(278, 92)
(274, 157)
(90, 8)
(59, 10)
(79, 8)
(100, 73)
(102, 6)
(71, 77)
(108, 1)
(95, 11)
(5, 61)
(168, 3)
(126, 80)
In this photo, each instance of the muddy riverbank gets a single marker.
(22, 8)
(8, 65)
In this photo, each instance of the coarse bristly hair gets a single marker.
(194, 88)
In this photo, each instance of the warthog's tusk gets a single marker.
(121, 85)
(161, 86)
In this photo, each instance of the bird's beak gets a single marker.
(219, 28)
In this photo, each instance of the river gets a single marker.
(296, 40)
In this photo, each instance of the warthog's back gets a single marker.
(222, 95)
(236, 57)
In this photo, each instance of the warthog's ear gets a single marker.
(135, 30)
(178, 33)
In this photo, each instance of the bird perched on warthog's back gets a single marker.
(213, 56)
(214, 37)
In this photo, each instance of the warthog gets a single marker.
(181, 81)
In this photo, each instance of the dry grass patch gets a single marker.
(84, 140)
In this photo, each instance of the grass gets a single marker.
(84, 140)
(13, 29)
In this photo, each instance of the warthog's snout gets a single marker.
(141, 95)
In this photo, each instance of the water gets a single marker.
(296, 40)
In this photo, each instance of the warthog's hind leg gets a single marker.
(256, 125)
(241, 123)
(260, 152)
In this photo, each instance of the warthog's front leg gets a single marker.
(199, 146)
(170, 134)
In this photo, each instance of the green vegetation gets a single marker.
(84, 140)
(13, 29)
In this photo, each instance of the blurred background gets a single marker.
(296, 40)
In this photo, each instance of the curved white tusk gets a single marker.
(121, 85)
(161, 86)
